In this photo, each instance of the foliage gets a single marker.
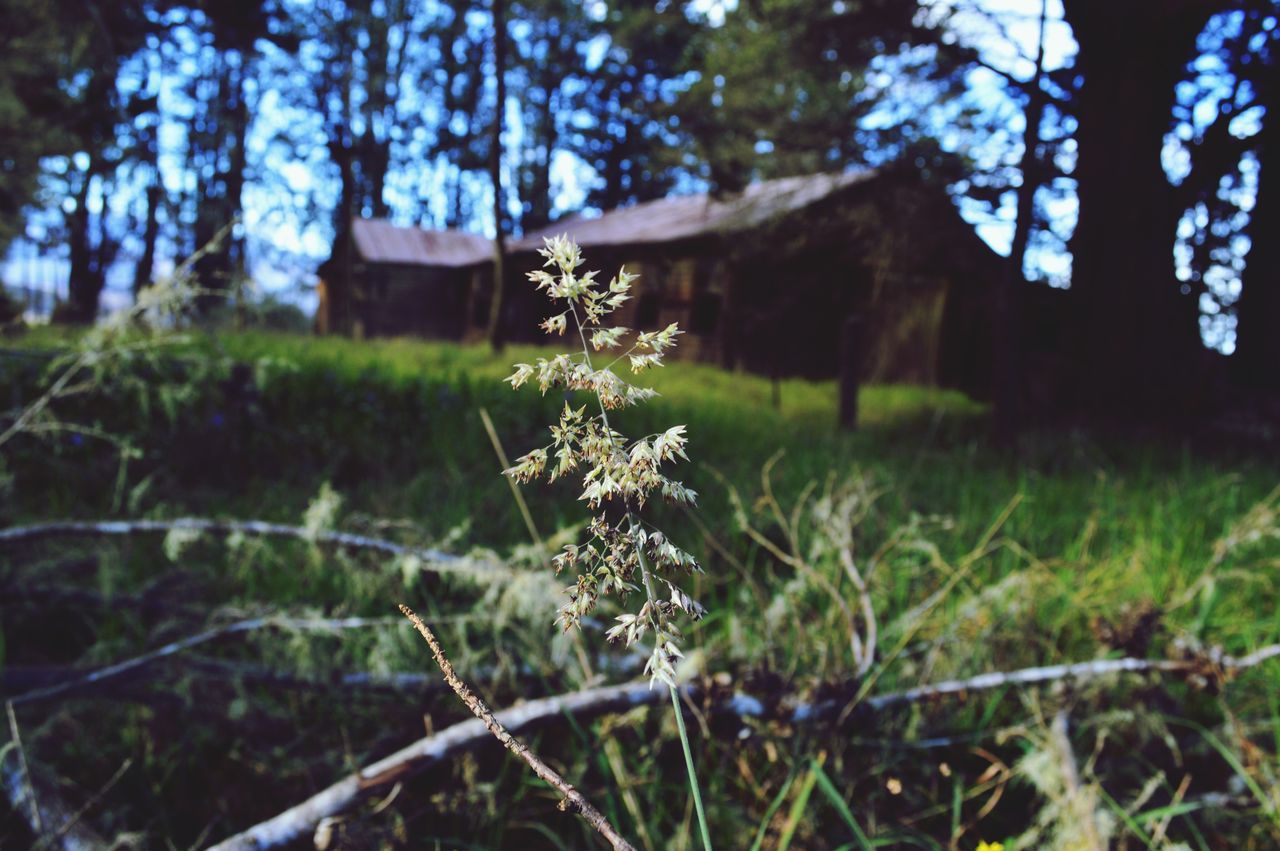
(974, 563)
(34, 47)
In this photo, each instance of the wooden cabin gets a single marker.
(403, 281)
(762, 280)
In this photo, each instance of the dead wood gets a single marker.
(590, 703)
(433, 559)
(302, 819)
(51, 820)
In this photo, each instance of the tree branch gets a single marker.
(436, 560)
(590, 703)
(573, 799)
(303, 818)
(112, 672)
(51, 820)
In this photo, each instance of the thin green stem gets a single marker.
(693, 775)
(653, 599)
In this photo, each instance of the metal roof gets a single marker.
(690, 216)
(668, 220)
(380, 241)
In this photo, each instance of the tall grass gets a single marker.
(1020, 555)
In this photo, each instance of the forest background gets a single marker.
(177, 673)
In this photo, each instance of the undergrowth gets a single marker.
(1077, 548)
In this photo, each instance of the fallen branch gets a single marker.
(436, 560)
(50, 819)
(302, 819)
(1081, 802)
(573, 799)
(109, 673)
(1212, 667)
(590, 703)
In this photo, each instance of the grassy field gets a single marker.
(978, 560)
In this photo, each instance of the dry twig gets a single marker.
(1079, 800)
(53, 822)
(573, 799)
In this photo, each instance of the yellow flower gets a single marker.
(990, 846)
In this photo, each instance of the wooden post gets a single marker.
(850, 369)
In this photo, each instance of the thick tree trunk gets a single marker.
(342, 296)
(375, 142)
(1136, 327)
(84, 285)
(1005, 378)
(214, 206)
(497, 331)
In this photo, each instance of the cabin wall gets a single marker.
(680, 283)
(777, 313)
(412, 301)
(773, 301)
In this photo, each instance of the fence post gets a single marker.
(850, 370)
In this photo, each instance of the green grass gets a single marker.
(1029, 547)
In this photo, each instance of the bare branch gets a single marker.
(112, 672)
(589, 703)
(573, 799)
(1210, 667)
(54, 823)
(23, 780)
(302, 819)
(1081, 801)
(29, 679)
(436, 560)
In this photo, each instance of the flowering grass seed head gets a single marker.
(622, 556)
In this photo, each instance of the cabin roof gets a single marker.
(684, 217)
(380, 241)
(672, 219)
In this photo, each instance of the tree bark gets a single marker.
(83, 285)
(239, 163)
(150, 236)
(1137, 329)
(1005, 378)
(497, 332)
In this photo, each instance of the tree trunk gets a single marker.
(1136, 328)
(151, 230)
(342, 297)
(497, 333)
(236, 174)
(213, 270)
(1005, 378)
(84, 285)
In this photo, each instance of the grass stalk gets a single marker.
(693, 774)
